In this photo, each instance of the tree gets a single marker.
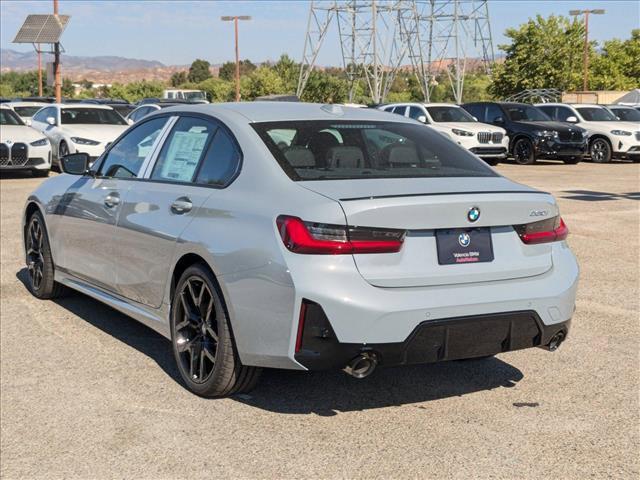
(217, 89)
(178, 78)
(288, 70)
(263, 81)
(199, 71)
(618, 67)
(228, 69)
(325, 88)
(544, 53)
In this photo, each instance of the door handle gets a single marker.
(181, 205)
(112, 200)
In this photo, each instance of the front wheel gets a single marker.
(39, 260)
(600, 151)
(202, 341)
(523, 152)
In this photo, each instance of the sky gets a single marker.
(177, 32)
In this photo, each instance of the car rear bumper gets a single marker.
(431, 341)
(361, 314)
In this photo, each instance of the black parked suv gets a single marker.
(532, 134)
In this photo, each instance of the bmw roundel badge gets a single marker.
(474, 214)
(464, 239)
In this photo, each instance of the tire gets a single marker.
(202, 340)
(523, 152)
(40, 173)
(572, 160)
(63, 149)
(39, 261)
(600, 151)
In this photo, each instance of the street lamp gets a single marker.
(585, 53)
(235, 22)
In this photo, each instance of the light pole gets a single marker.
(235, 22)
(585, 53)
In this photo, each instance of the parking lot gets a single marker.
(88, 393)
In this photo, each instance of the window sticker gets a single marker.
(183, 155)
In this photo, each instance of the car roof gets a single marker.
(292, 111)
(27, 104)
(82, 105)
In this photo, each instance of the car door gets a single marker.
(90, 208)
(197, 154)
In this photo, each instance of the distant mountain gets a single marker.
(13, 60)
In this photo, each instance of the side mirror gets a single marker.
(498, 121)
(75, 163)
(572, 119)
(130, 121)
(422, 119)
(51, 121)
(475, 118)
(27, 122)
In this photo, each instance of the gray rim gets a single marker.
(599, 151)
(35, 260)
(196, 335)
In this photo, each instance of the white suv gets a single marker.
(489, 142)
(609, 137)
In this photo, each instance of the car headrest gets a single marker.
(403, 155)
(345, 157)
(299, 157)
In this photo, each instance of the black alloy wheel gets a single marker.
(35, 259)
(39, 261)
(523, 152)
(202, 340)
(196, 333)
(600, 151)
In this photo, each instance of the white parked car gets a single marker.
(79, 128)
(143, 110)
(489, 142)
(26, 110)
(609, 137)
(22, 147)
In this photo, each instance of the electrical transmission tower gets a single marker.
(435, 37)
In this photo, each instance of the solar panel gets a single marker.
(42, 29)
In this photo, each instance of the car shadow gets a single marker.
(320, 393)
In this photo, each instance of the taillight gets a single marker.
(324, 239)
(544, 231)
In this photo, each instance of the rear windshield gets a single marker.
(330, 150)
(91, 116)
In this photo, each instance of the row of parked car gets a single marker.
(568, 132)
(35, 135)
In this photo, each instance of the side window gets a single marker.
(415, 112)
(221, 161)
(493, 112)
(399, 110)
(183, 149)
(562, 113)
(127, 156)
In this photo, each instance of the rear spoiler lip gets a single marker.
(405, 195)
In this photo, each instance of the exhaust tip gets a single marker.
(556, 341)
(362, 366)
